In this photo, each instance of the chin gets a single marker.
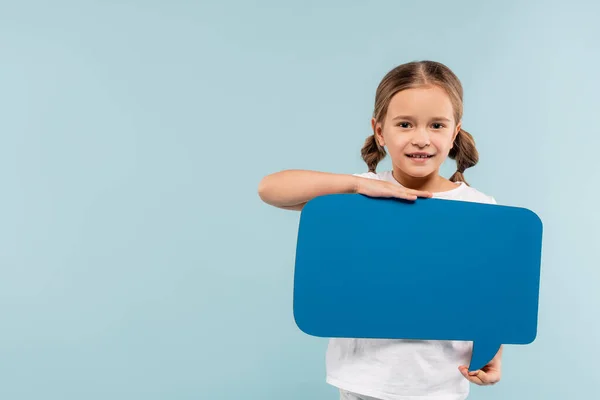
(418, 172)
(420, 175)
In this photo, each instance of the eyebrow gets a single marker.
(409, 117)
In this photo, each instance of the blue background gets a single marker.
(136, 259)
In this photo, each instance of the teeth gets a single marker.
(418, 156)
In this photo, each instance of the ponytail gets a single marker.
(372, 153)
(464, 153)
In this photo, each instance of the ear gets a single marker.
(377, 131)
(456, 131)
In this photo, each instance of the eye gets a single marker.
(437, 125)
(404, 124)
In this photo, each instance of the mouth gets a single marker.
(420, 156)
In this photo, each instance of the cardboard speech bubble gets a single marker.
(431, 269)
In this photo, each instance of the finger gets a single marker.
(465, 370)
(409, 196)
(490, 377)
(415, 193)
(419, 193)
(403, 194)
(487, 378)
(472, 376)
(475, 379)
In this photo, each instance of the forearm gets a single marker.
(293, 188)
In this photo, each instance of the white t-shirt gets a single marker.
(403, 369)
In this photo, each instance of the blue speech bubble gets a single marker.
(446, 269)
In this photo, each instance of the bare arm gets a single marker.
(292, 189)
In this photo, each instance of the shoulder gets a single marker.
(370, 175)
(380, 176)
(469, 193)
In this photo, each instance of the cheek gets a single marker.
(397, 142)
(442, 144)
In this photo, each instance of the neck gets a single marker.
(430, 183)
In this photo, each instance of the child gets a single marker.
(417, 120)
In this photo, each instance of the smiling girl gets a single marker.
(417, 120)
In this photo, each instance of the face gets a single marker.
(418, 130)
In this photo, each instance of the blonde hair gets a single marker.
(415, 74)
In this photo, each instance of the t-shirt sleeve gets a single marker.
(370, 175)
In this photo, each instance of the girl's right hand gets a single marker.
(376, 188)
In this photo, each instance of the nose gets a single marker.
(421, 138)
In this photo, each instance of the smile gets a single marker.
(420, 155)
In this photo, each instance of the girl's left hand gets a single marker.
(488, 375)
